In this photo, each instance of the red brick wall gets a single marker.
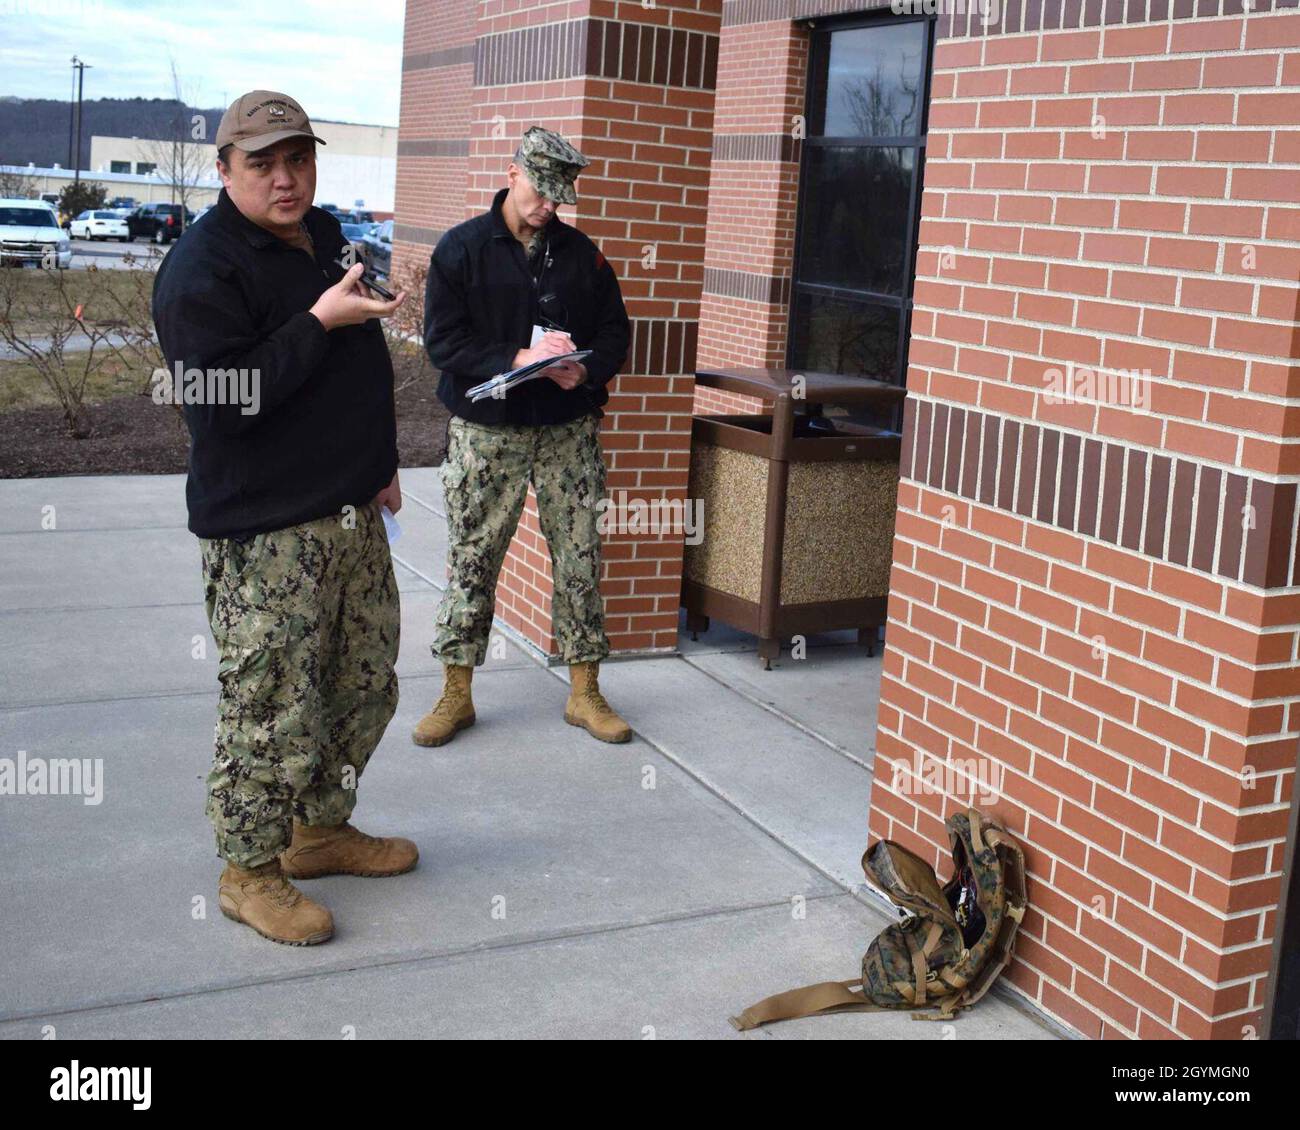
(1093, 604)
(632, 88)
(1100, 600)
(752, 197)
(433, 127)
(714, 402)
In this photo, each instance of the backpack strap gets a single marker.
(921, 958)
(948, 1008)
(952, 994)
(995, 838)
(812, 1000)
(1013, 882)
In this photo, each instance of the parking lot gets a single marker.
(110, 255)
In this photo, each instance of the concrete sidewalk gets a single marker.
(566, 888)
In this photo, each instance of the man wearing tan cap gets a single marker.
(513, 286)
(286, 501)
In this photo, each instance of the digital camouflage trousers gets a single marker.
(485, 483)
(307, 624)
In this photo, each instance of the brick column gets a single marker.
(753, 194)
(632, 88)
(749, 257)
(1096, 600)
(434, 127)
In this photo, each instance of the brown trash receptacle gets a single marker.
(798, 510)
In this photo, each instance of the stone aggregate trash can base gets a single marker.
(798, 516)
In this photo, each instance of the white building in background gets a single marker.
(143, 189)
(355, 168)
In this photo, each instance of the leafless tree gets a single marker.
(44, 325)
(881, 108)
(17, 185)
(182, 156)
(405, 328)
(127, 311)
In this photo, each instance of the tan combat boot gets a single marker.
(587, 706)
(452, 712)
(342, 850)
(262, 898)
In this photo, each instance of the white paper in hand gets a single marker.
(391, 527)
(499, 385)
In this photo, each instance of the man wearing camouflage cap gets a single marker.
(506, 288)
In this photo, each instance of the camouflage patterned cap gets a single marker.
(551, 164)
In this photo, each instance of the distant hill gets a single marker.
(36, 130)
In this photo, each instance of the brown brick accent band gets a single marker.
(1037, 472)
(613, 49)
(409, 233)
(1013, 16)
(532, 54)
(662, 346)
(433, 147)
(745, 284)
(448, 57)
(770, 147)
(736, 12)
(1018, 16)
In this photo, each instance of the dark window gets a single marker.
(119, 166)
(142, 167)
(859, 200)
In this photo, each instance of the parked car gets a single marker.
(100, 223)
(52, 199)
(358, 216)
(30, 233)
(160, 222)
(355, 234)
(377, 249)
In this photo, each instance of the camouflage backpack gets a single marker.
(949, 949)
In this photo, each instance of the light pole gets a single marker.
(72, 112)
(81, 77)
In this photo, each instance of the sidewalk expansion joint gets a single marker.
(95, 530)
(858, 891)
(788, 719)
(441, 586)
(351, 965)
(407, 496)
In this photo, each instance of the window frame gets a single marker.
(821, 32)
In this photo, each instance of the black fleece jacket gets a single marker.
(482, 300)
(230, 296)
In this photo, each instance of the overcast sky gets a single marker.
(342, 59)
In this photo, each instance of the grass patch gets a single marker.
(21, 385)
(106, 296)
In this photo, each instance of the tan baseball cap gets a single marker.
(261, 118)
